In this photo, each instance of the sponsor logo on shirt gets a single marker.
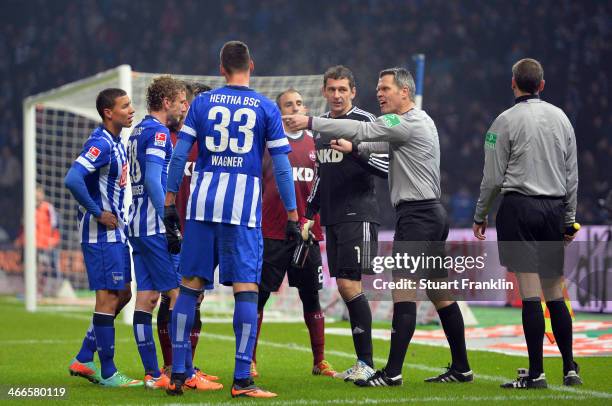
(329, 156)
(137, 190)
(92, 154)
(160, 139)
(303, 174)
(124, 173)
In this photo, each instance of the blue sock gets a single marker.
(182, 321)
(189, 371)
(245, 330)
(143, 332)
(88, 348)
(104, 329)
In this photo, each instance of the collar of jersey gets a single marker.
(295, 136)
(106, 130)
(342, 116)
(236, 87)
(526, 97)
(152, 118)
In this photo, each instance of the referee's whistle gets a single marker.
(571, 230)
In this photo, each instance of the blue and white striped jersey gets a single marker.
(104, 162)
(233, 125)
(150, 141)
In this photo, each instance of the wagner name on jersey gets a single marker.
(232, 125)
(104, 162)
(149, 141)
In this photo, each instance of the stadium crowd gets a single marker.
(469, 46)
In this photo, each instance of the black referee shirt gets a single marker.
(344, 188)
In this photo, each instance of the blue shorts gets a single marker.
(108, 265)
(237, 250)
(155, 268)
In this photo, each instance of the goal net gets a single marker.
(57, 123)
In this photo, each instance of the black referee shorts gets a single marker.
(421, 230)
(530, 234)
(351, 247)
(277, 258)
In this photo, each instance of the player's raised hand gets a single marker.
(108, 219)
(296, 122)
(173, 233)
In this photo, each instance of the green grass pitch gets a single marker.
(35, 350)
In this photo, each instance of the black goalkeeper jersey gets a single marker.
(343, 189)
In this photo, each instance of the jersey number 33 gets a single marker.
(224, 140)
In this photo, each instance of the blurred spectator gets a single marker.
(10, 171)
(468, 45)
(462, 205)
(47, 244)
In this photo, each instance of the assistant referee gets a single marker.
(530, 157)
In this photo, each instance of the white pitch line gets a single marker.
(49, 341)
(492, 378)
(371, 401)
(297, 347)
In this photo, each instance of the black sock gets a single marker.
(452, 323)
(533, 327)
(262, 299)
(561, 322)
(310, 300)
(242, 382)
(197, 320)
(178, 377)
(404, 322)
(162, 311)
(361, 327)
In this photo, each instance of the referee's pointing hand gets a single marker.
(296, 122)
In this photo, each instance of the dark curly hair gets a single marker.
(163, 87)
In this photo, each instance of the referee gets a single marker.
(421, 225)
(530, 157)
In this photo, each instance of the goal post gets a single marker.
(74, 99)
(57, 123)
(419, 62)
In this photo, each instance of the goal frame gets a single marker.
(121, 74)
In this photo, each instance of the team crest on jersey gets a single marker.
(160, 139)
(92, 154)
(312, 155)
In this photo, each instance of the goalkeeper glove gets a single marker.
(306, 229)
(173, 233)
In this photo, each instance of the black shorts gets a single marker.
(530, 234)
(277, 258)
(421, 229)
(351, 247)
